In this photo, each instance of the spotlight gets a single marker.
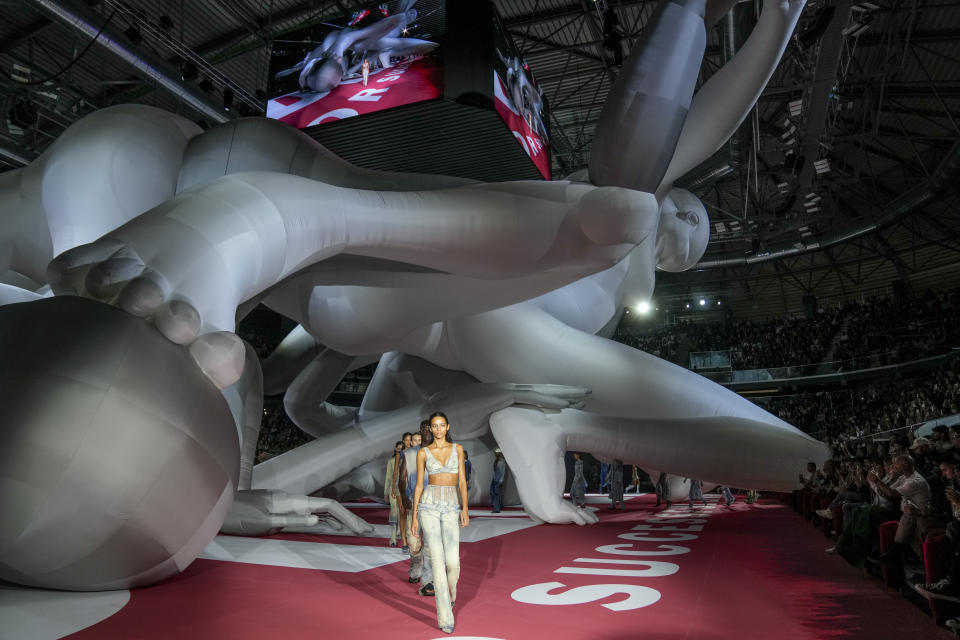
(188, 71)
(227, 98)
(688, 305)
(702, 302)
(643, 307)
(718, 303)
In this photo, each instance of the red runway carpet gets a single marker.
(751, 572)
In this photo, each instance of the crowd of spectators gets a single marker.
(278, 433)
(857, 335)
(661, 342)
(875, 407)
(782, 342)
(882, 331)
(892, 507)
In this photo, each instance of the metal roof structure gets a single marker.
(841, 181)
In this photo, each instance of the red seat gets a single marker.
(933, 547)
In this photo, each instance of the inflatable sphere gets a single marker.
(118, 457)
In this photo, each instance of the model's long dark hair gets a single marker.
(441, 414)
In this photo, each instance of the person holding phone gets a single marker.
(914, 493)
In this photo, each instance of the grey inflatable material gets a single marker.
(658, 82)
(119, 456)
(183, 228)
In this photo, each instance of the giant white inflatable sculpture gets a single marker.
(132, 409)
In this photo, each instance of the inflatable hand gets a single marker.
(550, 396)
(469, 406)
(533, 448)
(263, 512)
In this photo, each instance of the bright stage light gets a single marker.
(643, 307)
(702, 302)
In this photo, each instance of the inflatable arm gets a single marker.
(726, 99)
(316, 464)
(734, 451)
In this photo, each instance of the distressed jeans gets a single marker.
(440, 520)
(420, 561)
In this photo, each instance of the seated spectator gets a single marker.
(941, 438)
(861, 521)
(853, 490)
(949, 560)
(808, 478)
(914, 493)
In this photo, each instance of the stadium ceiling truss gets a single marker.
(841, 180)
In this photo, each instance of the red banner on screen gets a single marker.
(530, 140)
(404, 83)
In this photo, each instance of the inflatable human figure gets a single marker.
(163, 234)
(343, 52)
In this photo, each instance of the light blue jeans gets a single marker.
(440, 520)
(420, 561)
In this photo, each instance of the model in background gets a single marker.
(696, 492)
(728, 497)
(662, 489)
(578, 486)
(615, 479)
(415, 570)
(391, 494)
(496, 484)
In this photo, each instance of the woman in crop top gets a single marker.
(440, 513)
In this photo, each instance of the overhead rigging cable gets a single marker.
(77, 58)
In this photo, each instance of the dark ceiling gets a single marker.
(874, 85)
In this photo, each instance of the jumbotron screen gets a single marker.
(381, 56)
(520, 102)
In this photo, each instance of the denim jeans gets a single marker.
(419, 562)
(440, 519)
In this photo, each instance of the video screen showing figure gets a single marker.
(520, 101)
(375, 58)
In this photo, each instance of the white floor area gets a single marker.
(39, 614)
(303, 555)
(483, 525)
